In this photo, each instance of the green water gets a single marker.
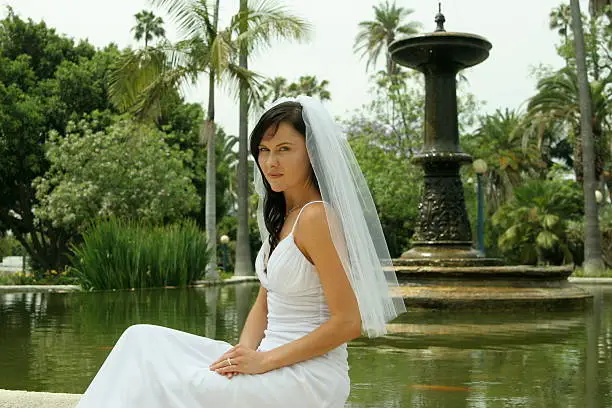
(56, 342)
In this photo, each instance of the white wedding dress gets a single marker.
(157, 367)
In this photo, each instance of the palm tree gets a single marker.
(559, 19)
(274, 88)
(593, 262)
(309, 85)
(498, 141)
(255, 26)
(144, 76)
(376, 35)
(148, 27)
(597, 38)
(557, 102)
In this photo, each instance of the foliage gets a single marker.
(385, 135)
(142, 77)
(125, 171)
(17, 278)
(393, 181)
(597, 36)
(376, 35)
(226, 183)
(398, 106)
(498, 142)
(181, 122)
(119, 254)
(554, 115)
(45, 81)
(148, 27)
(27, 278)
(579, 272)
(10, 246)
(533, 226)
(228, 225)
(605, 225)
(274, 88)
(309, 85)
(555, 111)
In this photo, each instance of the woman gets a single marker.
(325, 276)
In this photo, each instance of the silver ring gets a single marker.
(229, 361)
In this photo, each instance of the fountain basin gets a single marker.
(442, 49)
(490, 287)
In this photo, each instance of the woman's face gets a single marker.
(283, 158)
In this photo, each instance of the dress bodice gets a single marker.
(296, 302)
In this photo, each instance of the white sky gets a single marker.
(517, 29)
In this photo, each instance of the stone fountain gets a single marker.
(442, 269)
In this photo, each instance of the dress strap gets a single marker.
(300, 213)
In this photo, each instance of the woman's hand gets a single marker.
(243, 360)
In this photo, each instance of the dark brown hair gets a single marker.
(274, 202)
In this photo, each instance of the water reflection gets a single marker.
(489, 360)
(56, 342)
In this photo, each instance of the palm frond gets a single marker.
(374, 36)
(222, 51)
(267, 20)
(233, 76)
(139, 78)
(192, 17)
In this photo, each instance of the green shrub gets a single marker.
(535, 225)
(17, 278)
(117, 254)
(9, 246)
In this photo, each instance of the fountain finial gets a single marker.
(440, 19)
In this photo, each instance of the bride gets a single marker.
(326, 276)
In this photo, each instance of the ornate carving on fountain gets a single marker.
(442, 215)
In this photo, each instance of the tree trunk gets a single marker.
(243, 265)
(593, 263)
(578, 159)
(596, 7)
(391, 66)
(211, 170)
(211, 175)
(46, 246)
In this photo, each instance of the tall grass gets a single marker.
(117, 254)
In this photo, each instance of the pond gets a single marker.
(56, 342)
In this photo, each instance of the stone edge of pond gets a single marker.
(77, 288)
(233, 279)
(27, 399)
(203, 283)
(576, 279)
(39, 288)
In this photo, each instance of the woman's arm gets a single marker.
(256, 322)
(345, 321)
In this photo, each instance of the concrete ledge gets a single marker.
(233, 279)
(77, 288)
(39, 288)
(604, 281)
(25, 399)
